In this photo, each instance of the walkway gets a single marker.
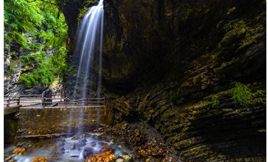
(12, 105)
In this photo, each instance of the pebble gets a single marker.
(126, 157)
(20, 144)
(39, 159)
(119, 160)
(74, 155)
(20, 131)
(10, 157)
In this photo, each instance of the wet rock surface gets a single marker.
(121, 142)
(143, 139)
(40, 159)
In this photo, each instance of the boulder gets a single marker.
(48, 95)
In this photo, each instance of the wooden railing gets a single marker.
(10, 101)
(23, 100)
(85, 102)
(35, 96)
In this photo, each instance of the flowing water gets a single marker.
(89, 47)
(74, 150)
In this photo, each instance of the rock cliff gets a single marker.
(194, 70)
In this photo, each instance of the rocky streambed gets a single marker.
(119, 143)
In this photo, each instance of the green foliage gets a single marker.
(43, 21)
(261, 92)
(33, 60)
(82, 12)
(6, 48)
(21, 16)
(241, 94)
(35, 47)
(43, 75)
(12, 67)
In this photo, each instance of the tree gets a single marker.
(44, 22)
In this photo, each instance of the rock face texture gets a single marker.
(13, 66)
(194, 70)
(47, 94)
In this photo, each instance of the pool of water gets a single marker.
(73, 149)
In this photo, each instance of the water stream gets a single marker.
(74, 150)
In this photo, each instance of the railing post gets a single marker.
(29, 96)
(44, 102)
(65, 102)
(18, 103)
(8, 101)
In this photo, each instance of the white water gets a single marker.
(89, 46)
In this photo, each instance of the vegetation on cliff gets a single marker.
(36, 26)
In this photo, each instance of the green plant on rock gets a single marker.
(234, 29)
(261, 92)
(223, 64)
(20, 17)
(82, 12)
(234, 24)
(35, 47)
(12, 67)
(241, 94)
(42, 21)
(214, 101)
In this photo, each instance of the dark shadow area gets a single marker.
(236, 135)
(10, 128)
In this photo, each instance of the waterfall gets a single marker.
(89, 47)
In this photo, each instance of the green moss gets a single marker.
(261, 92)
(215, 101)
(234, 24)
(237, 30)
(252, 34)
(204, 103)
(83, 11)
(223, 64)
(241, 94)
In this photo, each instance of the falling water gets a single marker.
(89, 46)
